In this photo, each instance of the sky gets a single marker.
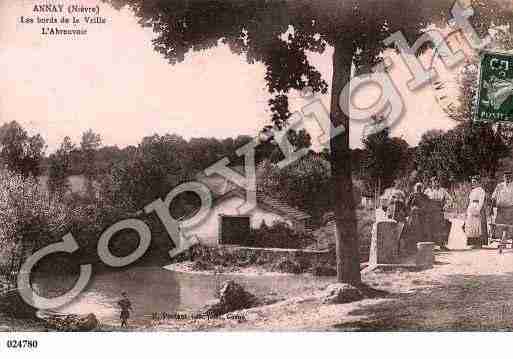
(113, 82)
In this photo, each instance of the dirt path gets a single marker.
(467, 290)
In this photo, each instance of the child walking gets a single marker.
(126, 307)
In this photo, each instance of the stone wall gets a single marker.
(275, 254)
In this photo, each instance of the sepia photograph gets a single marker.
(255, 166)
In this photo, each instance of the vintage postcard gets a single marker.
(255, 166)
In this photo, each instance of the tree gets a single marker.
(299, 139)
(89, 145)
(158, 164)
(480, 151)
(269, 149)
(90, 141)
(20, 152)
(431, 148)
(259, 29)
(30, 219)
(467, 149)
(385, 159)
(303, 184)
(60, 166)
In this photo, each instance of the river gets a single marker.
(155, 290)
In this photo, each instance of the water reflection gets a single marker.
(155, 290)
(150, 290)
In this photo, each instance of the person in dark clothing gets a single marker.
(126, 307)
(417, 226)
(439, 199)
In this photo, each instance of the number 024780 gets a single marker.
(21, 344)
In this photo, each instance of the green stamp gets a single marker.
(495, 99)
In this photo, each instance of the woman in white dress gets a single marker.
(475, 222)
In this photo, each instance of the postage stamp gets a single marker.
(495, 103)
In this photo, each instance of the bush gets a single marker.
(246, 259)
(32, 217)
(202, 265)
(210, 258)
(29, 217)
(279, 235)
(287, 265)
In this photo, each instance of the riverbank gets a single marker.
(252, 270)
(465, 290)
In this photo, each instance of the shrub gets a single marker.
(245, 259)
(262, 259)
(279, 235)
(202, 265)
(287, 265)
(209, 258)
(29, 216)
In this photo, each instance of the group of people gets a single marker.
(501, 204)
(420, 216)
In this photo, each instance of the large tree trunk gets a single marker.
(347, 244)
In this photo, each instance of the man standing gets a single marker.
(502, 200)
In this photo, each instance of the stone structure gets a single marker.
(71, 322)
(385, 245)
(231, 297)
(277, 254)
(340, 293)
(425, 256)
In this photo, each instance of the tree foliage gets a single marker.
(468, 149)
(60, 167)
(20, 152)
(29, 216)
(303, 184)
(384, 159)
(89, 144)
